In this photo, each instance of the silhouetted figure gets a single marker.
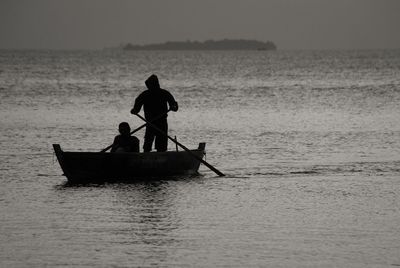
(125, 142)
(155, 102)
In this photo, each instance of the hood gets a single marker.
(152, 82)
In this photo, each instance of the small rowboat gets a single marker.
(81, 167)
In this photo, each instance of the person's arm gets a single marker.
(115, 145)
(173, 105)
(135, 144)
(138, 104)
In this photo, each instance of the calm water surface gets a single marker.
(309, 140)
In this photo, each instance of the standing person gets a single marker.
(155, 102)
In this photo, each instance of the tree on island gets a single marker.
(226, 44)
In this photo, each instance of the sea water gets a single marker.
(309, 142)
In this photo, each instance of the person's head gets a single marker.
(124, 128)
(152, 82)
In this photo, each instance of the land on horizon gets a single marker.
(225, 44)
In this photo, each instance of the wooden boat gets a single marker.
(81, 167)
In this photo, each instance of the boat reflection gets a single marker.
(142, 218)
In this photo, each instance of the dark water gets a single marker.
(309, 140)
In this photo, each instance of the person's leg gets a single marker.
(161, 143)
(148, 139)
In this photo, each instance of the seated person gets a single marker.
(125, 142)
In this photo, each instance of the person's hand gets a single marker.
(134, 112)
(174, 107)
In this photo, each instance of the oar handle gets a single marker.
(219, 173)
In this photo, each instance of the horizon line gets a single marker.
(121, 49)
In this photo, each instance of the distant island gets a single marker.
(226, 44)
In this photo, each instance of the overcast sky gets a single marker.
(291, 24)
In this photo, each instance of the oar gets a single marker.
(136, 129)
(219, 173)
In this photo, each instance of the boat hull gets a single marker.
(80, 167)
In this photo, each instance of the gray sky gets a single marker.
(291, 24)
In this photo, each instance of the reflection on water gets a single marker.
(141, 216)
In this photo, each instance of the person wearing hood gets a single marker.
(155, 101)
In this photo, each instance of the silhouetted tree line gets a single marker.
(226, 44)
